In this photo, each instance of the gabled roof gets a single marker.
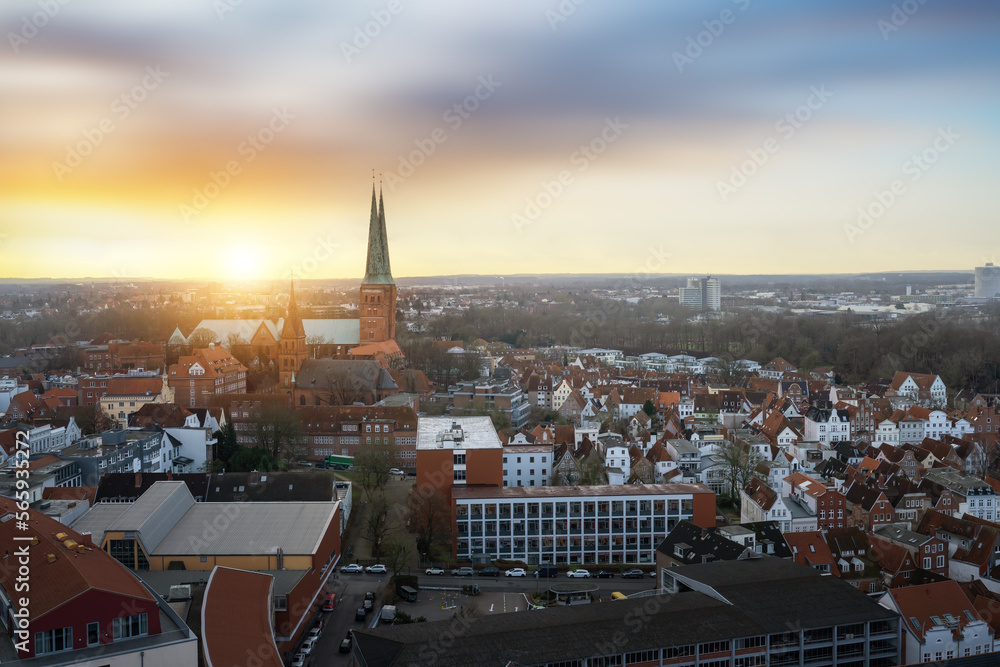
(923, 607)
(71, 574)
(810, 548)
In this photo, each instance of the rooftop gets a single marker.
(457, 432)
(551, 492)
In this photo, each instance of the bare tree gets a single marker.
(277, 429)
(378, 522)
(345, 387)
(372, 463)
(429, 516)
(739, 463)
(397, 554)
(588, 471)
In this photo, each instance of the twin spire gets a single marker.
(377, 271)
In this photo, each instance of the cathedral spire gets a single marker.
(377, 271)
(292, 327)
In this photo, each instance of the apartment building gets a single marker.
(563, 525)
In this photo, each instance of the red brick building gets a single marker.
(206, 372)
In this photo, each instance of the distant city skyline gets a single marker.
(229, 141)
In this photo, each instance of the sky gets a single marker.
(236, 139)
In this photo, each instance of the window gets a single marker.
(52, 641)
(93, 633)
(129, 626)
(940, 561)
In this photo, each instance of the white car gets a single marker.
(397, 471)
(308, 645)
(315, 633)
(376, 569)
(434, 571)
(578, 573)
(298, 660)
(353, 567)
(515, 572)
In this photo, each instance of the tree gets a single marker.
(226, 444)
(247, 459)
(739, 463)
(345, 387)
(588, 471)
(278, 430)
(649, 408)
(429, 516)
(372, 463)
(397, 554)
(377, 523)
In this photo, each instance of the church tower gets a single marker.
(292, 350)
(378, 289)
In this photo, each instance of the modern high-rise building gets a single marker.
(987, 281)
(702, 294)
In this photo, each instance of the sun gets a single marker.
(242, 262)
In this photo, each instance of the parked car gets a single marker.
(353, 567)
(515, 572)
(578, 573)
(315, 633)
(376, 569)
(360, 614)
(604, 574)
(369, 605)
(369, 595)
(652, 573)
(345, 645)
(489, 572)
(634, 573)
(329, 603)
(298, 660)
(435, 571)
(397, 471)
(463, 572)
(546, 571)
(304, 464)
(308, 645)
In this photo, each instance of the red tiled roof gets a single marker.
(71, 573)
(810, 548)
(917, 604)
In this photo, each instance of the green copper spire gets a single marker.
(377, 271)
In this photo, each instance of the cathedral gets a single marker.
(293, 343)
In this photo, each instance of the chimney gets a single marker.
(138, 480)
(170, 475)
